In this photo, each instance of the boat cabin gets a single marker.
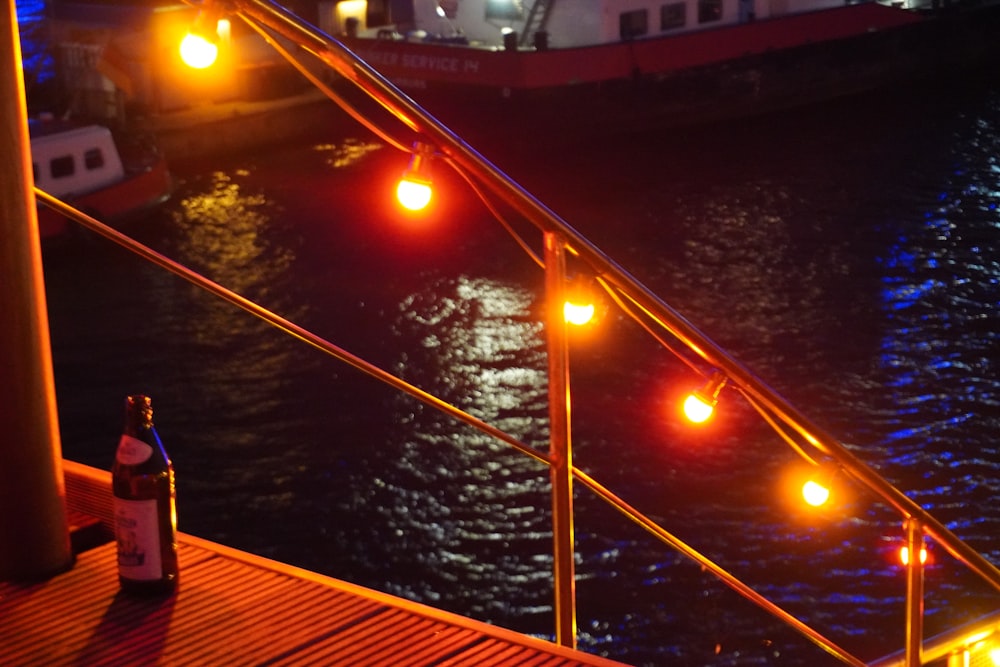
(545, 23)
(72, 162)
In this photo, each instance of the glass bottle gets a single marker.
(142, 480)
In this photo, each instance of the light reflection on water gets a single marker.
(863, 288)
(941, 284)
(484, 505)
(347, 153)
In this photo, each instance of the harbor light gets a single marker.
(700, 403)
(414, 191)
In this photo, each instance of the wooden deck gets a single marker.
(233, 608)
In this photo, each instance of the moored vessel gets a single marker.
(607, 64)
(86, 165)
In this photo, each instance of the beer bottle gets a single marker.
(145, 515)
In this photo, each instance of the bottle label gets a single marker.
(132, 451)
(138, 536)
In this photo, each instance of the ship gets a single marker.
(513, 67)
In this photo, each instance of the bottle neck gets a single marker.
(138, 414)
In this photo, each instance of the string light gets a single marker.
(579, 308)
(818, 488)
(578, 313)
(700, 403)
(198, 52)
(414, 191)
(200, 47)
(815, 493)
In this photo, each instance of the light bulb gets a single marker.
(700, 403)
(198, 52)
(696, 409)
(413, 194)
(414, 190)
(580, 306)
(815, 494)
(578, 313)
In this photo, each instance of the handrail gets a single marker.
(374, 371)
(358, 72)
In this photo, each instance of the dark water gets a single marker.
(848, 255)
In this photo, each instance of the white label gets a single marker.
(138, 536)
(132, 451)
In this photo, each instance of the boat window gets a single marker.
(93, 159)
(673, 16)
(503, 10)
(633, 24)
(61, 167)
(377, 13)
(709, 10)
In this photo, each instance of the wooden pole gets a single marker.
(34, 533)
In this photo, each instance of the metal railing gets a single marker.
(275, 24)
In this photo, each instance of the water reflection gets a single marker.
(941, 278)
(934, 404)
(223, 233)
(466, 507)
(347, 153)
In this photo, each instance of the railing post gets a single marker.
(560, 444)
(914, 593)
(34, 533)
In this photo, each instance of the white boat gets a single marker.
(86, 167)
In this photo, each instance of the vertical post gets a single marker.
(560, 447)
(34, 537)
(914, 593)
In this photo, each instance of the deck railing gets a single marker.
(277, 24)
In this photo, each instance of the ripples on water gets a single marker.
(849, 256)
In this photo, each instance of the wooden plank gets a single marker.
(235, 608)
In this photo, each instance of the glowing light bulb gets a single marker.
(815, 494)
(581, 300)
(578, 313)
(414, 190)
(700, 403)
(413, 194)
(697, 409)
(198, 52)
